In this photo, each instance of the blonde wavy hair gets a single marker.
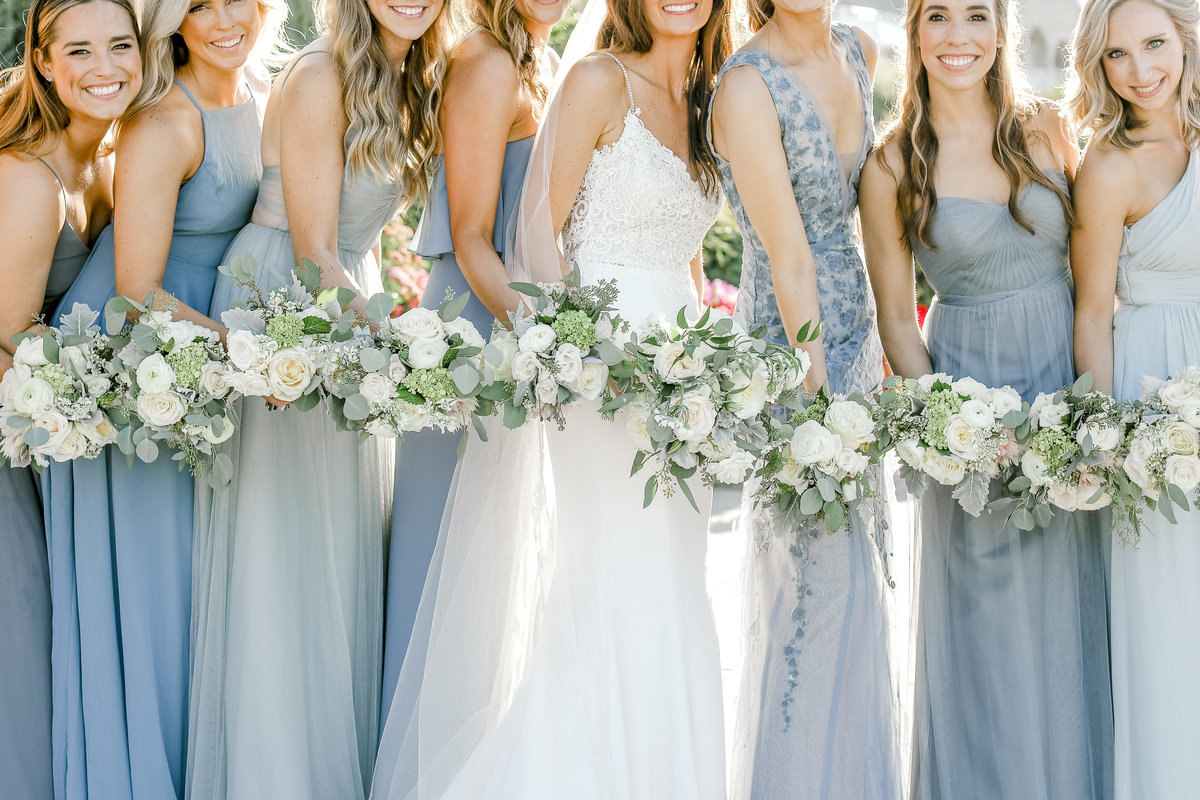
(392, 118)
(163, 49)
(626, 30)
(501, 20)
(31, 114)
(1091, 102)
(917, 140)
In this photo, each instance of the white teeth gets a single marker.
(679, 9)
(957, 61)
(409, 11)
(1148, 89)
(228, 42)
(104, 91)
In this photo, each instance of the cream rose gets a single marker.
(250, 384)
(74, 445)
(505, 348)
(525, 367)
(1137, 467)
(289, 373)
(418, 323)
(546, 390)
(1183, 471)
(813, 443)
(851, 422)
(851, 462)
(1181, 439)
(99, 429)
(12, 380)
(963, 439)
(592, 378)
(792, 471)
(1177, 394)
(160, 409)
(569, 362)
(427, 353)
(910, 452)
(1051, 415)
(1190, 413)
(214, 379)
(972, 388)
(733, 468)
(699, 416)
(1104, 437)
(635, 417)
(1063, 496)
(1004, 400)
(210, 434)
(947, 470)
(396, 370)
(926, 382)
(674, 364)
(1089, 484)
(463, 327)
(751, 392)
(58, 426)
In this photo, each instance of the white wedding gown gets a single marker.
(607, 686)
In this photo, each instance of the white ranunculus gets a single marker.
(1004, 400)
(1183, 471)
(58, 426)
(1178, 393)
(546, 390)
(977, 414)
(525, 367)
(1104, 437)
(634, 416)
(813, 443)
(752, 392)
(947, 470)
(1190, 413)
(1051, 415)
(31, 351)
(910, 452)
(963, 439)
(926, 382)
(214, 379)
(733, 468)
(592, 378)
(1063, 496)
(376, 388)
(250, 384)
(396, 369)
(161, 409)
(33, 397)
(289, 373)
(1089, 484)
(12, 380)
(426, 353)
(569, 362)
(155, 374)
(972, 388)
(1035, 468)
(699, 416)
(851, 421)
(418, 323)
(537, 339)
(463, 327)
(210, 434)
(674, 364)
(1181, 439)
(1137, 466)
(245, 351)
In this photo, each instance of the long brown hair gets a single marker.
(31, 114)
(501, 20)
(625, 29)
(762, 10)
(917, 140)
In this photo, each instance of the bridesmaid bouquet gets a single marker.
(56, 398)
(419, 370)
(565, 352)
(815, 470)
(960, 433)
(699, 398)
(280, 343)
(174, 379)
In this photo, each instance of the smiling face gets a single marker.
(222, 33)
(541, 13)
(402, 22)
(672, 18)
(92, 60)
(958, 41)
(1143, 56)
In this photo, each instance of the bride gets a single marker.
(565, 645)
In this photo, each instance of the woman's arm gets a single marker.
(745, 125)
(31, 216)
(890, 265)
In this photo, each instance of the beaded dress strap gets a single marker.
(628, 87)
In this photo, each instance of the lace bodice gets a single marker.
(639, 217)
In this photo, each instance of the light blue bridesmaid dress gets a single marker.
(1012, 681)
(816, 714)
(120, 537)
(425, 460)
(25, 759)
(1155, 595)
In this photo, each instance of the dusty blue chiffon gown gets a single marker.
(1012, 682)
(25, 769)
(425, 460)
(120, 537)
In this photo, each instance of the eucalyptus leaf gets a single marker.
(687, 492)
(609, 353)
(147, 450)
(1022, 519)
(36, 437)
(1042, 515)
(1084, 384)
(480, 428)
(115, 311)
(454, 307)
(380, 306)
(527, 289)
(222, 471)
(357, 408)
(811, 502)
(835, 516)
(309, 275)
(307, 402)
(514, 415)
(373, 359)
(639, 461)
(466, 379)
(650, 492)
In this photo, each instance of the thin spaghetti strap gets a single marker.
(628, 87)
(62, 188)
(288, 73)
(195, 102)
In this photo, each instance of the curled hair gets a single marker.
(164, 51)
(1091, 102)
(31, 113)
(501, 20)
(625, 29)
(917, 140)
(762, 10)
(392, 119)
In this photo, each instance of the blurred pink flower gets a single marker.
(721, 295)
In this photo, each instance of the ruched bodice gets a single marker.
(826, 188)
(1003, 310)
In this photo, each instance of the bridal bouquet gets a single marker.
(699, 398)
(419, 370)
(175, 381)
(280, 342)
(55, 400)
(816, 468)
(959, 432)
(565, 352)
(1074, 440)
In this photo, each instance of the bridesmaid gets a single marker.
(1012, 685)
(289, 580)
(1137, 90)
(121, 538)
(56, 112)
(816, 713)
(496, 85)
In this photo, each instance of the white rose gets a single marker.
(1004, 400)
(376, 388)
(1089, 484)
(289, 373)
(537, 339)
(634, 416)
(699, 416)
(1176, 394)
(74, 445)
(926, 382)
(508, 350)
(963, 439)
(1063, 496)
(1181, 439)
(851, 421)
(1183, 471)
(1051, 415)
(569, 362)
(72, 360)
(977, 414)
(99, 429)
(426, 353)
(972, 388)
(463, 327)
(97, 385)
(155, 374)
(792, 472)
(1035, 468)
(733, 468)
(1104, 437)
(418, 323)
(160, 409)
(210, 434)
(910, 452)
(813, 443)
(33, 397)
(250, 384)
(593, 376)
(674, 364)
(31, 352)
(546, 390)
(396, 370)
(1137, 467)
(751, 392)
(214, 379)
(58, 426)
(244, 350)
(947, 470)
(525, 367)
(851, 463)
